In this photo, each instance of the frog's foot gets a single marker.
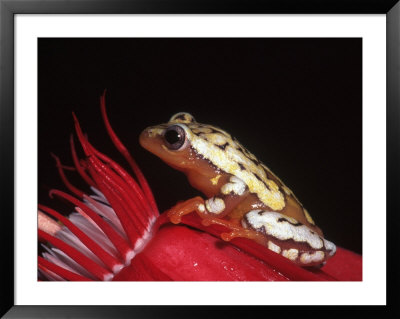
(236, 230)
(195, 204)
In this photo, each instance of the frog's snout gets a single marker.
(151, 139)
(145, 139)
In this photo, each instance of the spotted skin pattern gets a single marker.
(302, 242)
(284, 228)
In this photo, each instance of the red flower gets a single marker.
(117, 233)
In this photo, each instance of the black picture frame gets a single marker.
(8, 10)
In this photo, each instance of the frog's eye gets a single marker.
(175, 137)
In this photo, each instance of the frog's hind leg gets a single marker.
(198, 205)
(236, 230)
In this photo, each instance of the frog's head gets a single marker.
(179, 144)
(171, 141)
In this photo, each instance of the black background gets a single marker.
(295, 103)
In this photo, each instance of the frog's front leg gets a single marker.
(195, 204)
(216, 207)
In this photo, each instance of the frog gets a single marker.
(242, 194)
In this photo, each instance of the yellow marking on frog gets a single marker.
(201, 208)
(291, 254)
(316, 256)
(214, 180)
(156, 131)
(287, 190)
(308, 217)
(273, 247)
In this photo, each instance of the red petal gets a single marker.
(183, 254)
(344, 266)
(275, 261)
